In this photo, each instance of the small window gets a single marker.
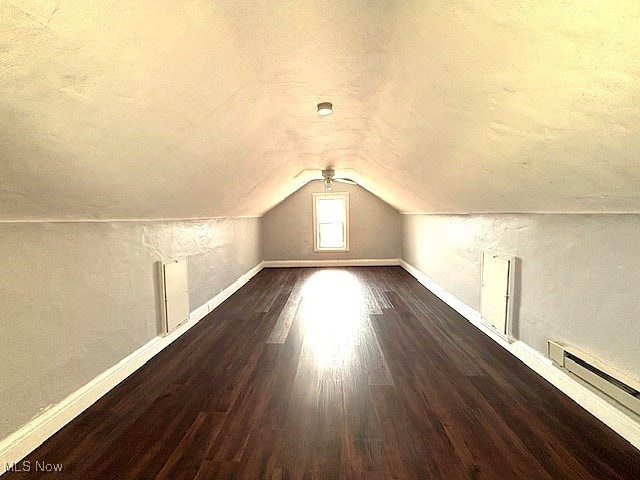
(331, 222)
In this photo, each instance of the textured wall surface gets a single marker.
(578, 276)
(76, 298)
(375, 227)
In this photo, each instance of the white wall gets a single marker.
(76, 298)
(578, 279)
(375, 227)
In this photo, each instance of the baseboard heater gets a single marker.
(617, 385)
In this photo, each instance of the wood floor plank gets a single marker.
(354, 373)
(281, 329)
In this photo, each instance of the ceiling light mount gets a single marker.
(330, 178)
(325, 108)
(328, 174)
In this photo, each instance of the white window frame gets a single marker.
(316, 230)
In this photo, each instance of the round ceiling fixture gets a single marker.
(325, 108)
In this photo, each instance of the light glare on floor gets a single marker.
(333, 310)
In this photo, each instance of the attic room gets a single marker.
(321, 239)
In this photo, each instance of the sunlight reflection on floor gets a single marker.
(333, 312)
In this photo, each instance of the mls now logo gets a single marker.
(28, 466)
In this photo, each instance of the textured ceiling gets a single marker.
(176, 109)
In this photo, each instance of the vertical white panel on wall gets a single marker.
(175, 293)
(495, 292)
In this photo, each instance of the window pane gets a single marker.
(331, 235)
(331, 214)
(330, 210)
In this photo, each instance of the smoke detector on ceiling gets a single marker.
(325, 108)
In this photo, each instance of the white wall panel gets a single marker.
(175, 292)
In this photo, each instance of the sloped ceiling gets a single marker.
(189, 109)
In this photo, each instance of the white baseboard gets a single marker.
(358, 262)
(459, 306)
(212, 304)
(22, 442)
(614, 418)
(199, 313)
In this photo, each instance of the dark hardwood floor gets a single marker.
(335, 373)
